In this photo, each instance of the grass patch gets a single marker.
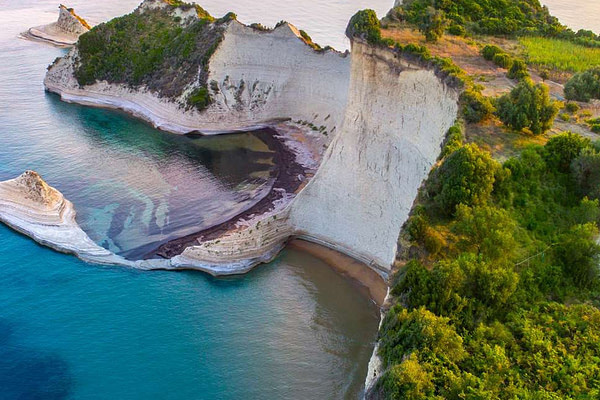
(559, 54)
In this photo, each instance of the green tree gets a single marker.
(466, 176)
(475, 106)
(562, 149)
(432, 24)
(586, 171)
(486, 230)
(584, 86)
(527, 106)
(366, 25)
(408, 381)
(577, 252)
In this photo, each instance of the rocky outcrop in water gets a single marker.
(64, 32)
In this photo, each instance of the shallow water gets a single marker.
(292, 328)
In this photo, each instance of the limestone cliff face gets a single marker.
(394, 125)
(257, 76)
(70, 22)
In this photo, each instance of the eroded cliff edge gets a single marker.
(383, 114)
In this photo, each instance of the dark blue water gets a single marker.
(68, 330)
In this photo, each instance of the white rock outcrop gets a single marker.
(64, 32)
(385, 118)
(394, 126)
(30, 206)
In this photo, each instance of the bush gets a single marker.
(585, 168)
(584, 86)
(199, 98)
(457, 30)
(365, 25)
(577, 251)
(562, 149)
(432, 24)
(454, 140)
(572, 107)
(527, 106)
(490, 50)
(475, 106)
(465, 177)
(518, 70)
(503, 60)
(565, 117)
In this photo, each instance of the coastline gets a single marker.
(285, 182)
(370, 281)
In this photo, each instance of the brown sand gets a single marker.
(359, 272)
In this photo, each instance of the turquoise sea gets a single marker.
(68, 330)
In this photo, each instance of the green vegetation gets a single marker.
(475, 106)
(584, 86)
(559, 54)
(366, 25)
(506, 306)
(518, 70)
(465, 177)
(498, 17)
(151, 48)
(199, 98)
(527, 106)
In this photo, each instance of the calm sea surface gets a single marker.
(68, 330)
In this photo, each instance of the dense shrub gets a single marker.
(454, 140)
(465, 177)
(475, 106)
(199, 98)
(572, 107)
(487, 319)
(584, 86)
(518, 70)
(586, 171)
(491, 17)
(151, 48)
(503, 60)
(562, 149)
(490, 50)
(527, 106)
(432, 23)
(366, 25)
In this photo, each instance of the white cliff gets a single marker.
(64, 32)
(383, 116)
(395, 122)
(255, 77)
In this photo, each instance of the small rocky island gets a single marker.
(64, 32)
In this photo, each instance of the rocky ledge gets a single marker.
(64, 32)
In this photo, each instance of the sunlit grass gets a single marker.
(559, 54)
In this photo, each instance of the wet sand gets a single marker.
(373, 284)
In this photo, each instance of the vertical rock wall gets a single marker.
(395, 122)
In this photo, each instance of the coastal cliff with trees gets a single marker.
(497, 287)
(446, 126)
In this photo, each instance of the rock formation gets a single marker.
(64, 32)
(384, 117)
